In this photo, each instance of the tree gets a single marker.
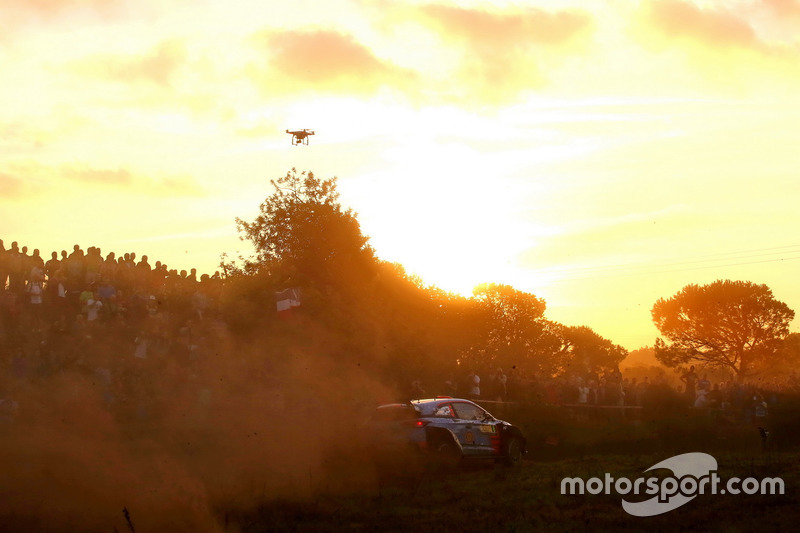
(788, 358)
(303, 229)
(730, 324)
(508, 329)
(588, 352)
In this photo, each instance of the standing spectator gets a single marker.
(690, 380)
(36, 260)
(64, 261)
(108, 270)
(700, 399)
(27, 263)
(714, 397)
(84, 297)
(199, 302)
(76, 269)
(124, 280)
(593, 395)
(56, 297)
(15, 268)
(614, 395)
(93, 306)
(35, 290)
(143, 264)
(52, 265)
(105, 290)
(3, 267)
(704, 383)
(583, 392)
(93, 261)
(142, 274)
(641, 390)
(474, 383)
(628, 388)
(500, 382)
(10, 314)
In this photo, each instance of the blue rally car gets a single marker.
(450, 429)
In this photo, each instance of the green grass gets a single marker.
(527, 498)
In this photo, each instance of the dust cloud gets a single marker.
(178, 438)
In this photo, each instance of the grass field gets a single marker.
(528, 498)
(187, 480)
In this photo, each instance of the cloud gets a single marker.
(19, 136)
(24, 179)
(506, 52)
(735, 48)
(20, 180)
(104, 176)
(676, 19)
(158, 65)
(784, 8)
(47, 6)
(124, 178)
(12, 186)
(510, 28)
(22, 11)
(321, 60)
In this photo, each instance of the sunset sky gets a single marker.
(598, 154)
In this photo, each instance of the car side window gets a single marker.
(444, 410)
(468, 411)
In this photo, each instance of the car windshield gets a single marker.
(468, 411)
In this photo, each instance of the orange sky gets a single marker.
(599, 154)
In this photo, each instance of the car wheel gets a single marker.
(448, 455)
(513, 451)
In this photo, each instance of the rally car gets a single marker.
(448, 429)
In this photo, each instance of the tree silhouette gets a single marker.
(729, 324)
(508, 329)
(587, 351)
(303, 230)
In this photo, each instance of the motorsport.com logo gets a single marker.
(693, 473)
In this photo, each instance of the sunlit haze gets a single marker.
(598, 154)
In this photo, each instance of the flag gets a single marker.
(287, 299)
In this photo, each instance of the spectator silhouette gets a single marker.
(16, 269)
(690, 380)
(52, 265)
(3, 266)
(76, 269)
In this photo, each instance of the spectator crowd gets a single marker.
(116, 319)
(121, 320)
(738, 401)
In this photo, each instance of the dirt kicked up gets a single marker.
(528, 498)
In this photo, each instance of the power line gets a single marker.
(789, 253)
(745, 254)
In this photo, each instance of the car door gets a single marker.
(476, 429)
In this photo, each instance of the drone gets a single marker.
(300, 136)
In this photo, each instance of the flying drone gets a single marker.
(300, 136)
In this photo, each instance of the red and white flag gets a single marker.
(287, 299)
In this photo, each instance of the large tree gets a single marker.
(303, 230)
(727, 324)
(589, 352)
(507, 328)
